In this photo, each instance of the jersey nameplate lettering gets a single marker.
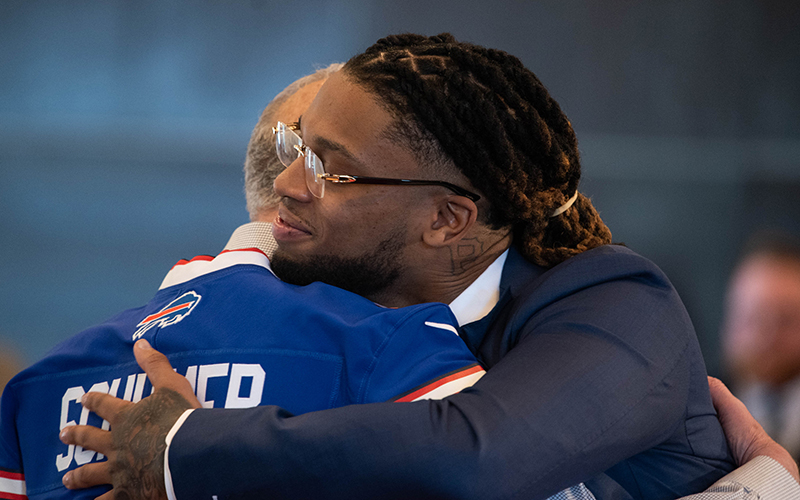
(245, 387)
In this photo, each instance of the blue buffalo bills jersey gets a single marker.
(243, 338)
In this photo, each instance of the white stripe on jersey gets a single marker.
(188, 271)
(445, 385)
(12, 486)
(442, 326)
(451, 387)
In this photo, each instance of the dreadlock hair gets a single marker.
(494, 120)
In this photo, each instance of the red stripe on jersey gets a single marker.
(12, 496)
(12, 475)
(163, 313)
(183, 262)
(245, 250)
(208, 258)
(439, 382)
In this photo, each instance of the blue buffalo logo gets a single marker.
(172, 313)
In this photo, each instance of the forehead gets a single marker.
(344, 114)
(768, 278)
(346, 104)
(298, 102)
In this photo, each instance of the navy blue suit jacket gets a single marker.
(595, 375)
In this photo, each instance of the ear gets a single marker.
(454, 217)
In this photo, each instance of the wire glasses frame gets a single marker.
(290, 147)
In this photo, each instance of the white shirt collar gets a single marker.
(251, 243)
(253, 235)
(481, 296)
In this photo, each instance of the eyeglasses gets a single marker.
(290, 147)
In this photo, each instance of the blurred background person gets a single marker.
(11, 362)
(761, 335)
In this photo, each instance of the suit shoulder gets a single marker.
(602, 265)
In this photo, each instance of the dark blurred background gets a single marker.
(123, 127)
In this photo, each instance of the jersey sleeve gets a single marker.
(12, 478)
(422, 358)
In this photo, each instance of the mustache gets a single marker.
(291, 206)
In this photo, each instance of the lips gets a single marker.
(286, 227)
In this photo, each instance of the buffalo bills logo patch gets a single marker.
(172, 313)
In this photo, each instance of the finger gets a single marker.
(744, 434)
(719, 392)
(87, 436)
(88, 475)
(161, 373)
(104, 405)
(728, 406)
(155, 364)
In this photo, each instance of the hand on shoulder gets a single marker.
(746, 438)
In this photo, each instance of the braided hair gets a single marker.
(484, 112)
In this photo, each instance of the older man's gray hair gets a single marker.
(262, 166)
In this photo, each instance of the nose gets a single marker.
(291, 183)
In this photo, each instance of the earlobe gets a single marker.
(452, 221)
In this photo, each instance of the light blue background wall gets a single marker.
(123, 127)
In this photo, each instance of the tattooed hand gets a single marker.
(136, 442)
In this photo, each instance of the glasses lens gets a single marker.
(285, 141)
(314, 172)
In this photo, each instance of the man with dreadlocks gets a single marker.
(468, 195)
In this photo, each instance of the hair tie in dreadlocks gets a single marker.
(482, 110)
(563, 208)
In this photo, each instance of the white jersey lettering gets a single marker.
(206, 372)
(238, 372)
(72, 394)
(198, 376)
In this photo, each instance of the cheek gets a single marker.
(788, 339)
(359, 216)
(351, 220)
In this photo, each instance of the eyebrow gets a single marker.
(330, 145)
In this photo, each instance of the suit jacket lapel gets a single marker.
(486, 338)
